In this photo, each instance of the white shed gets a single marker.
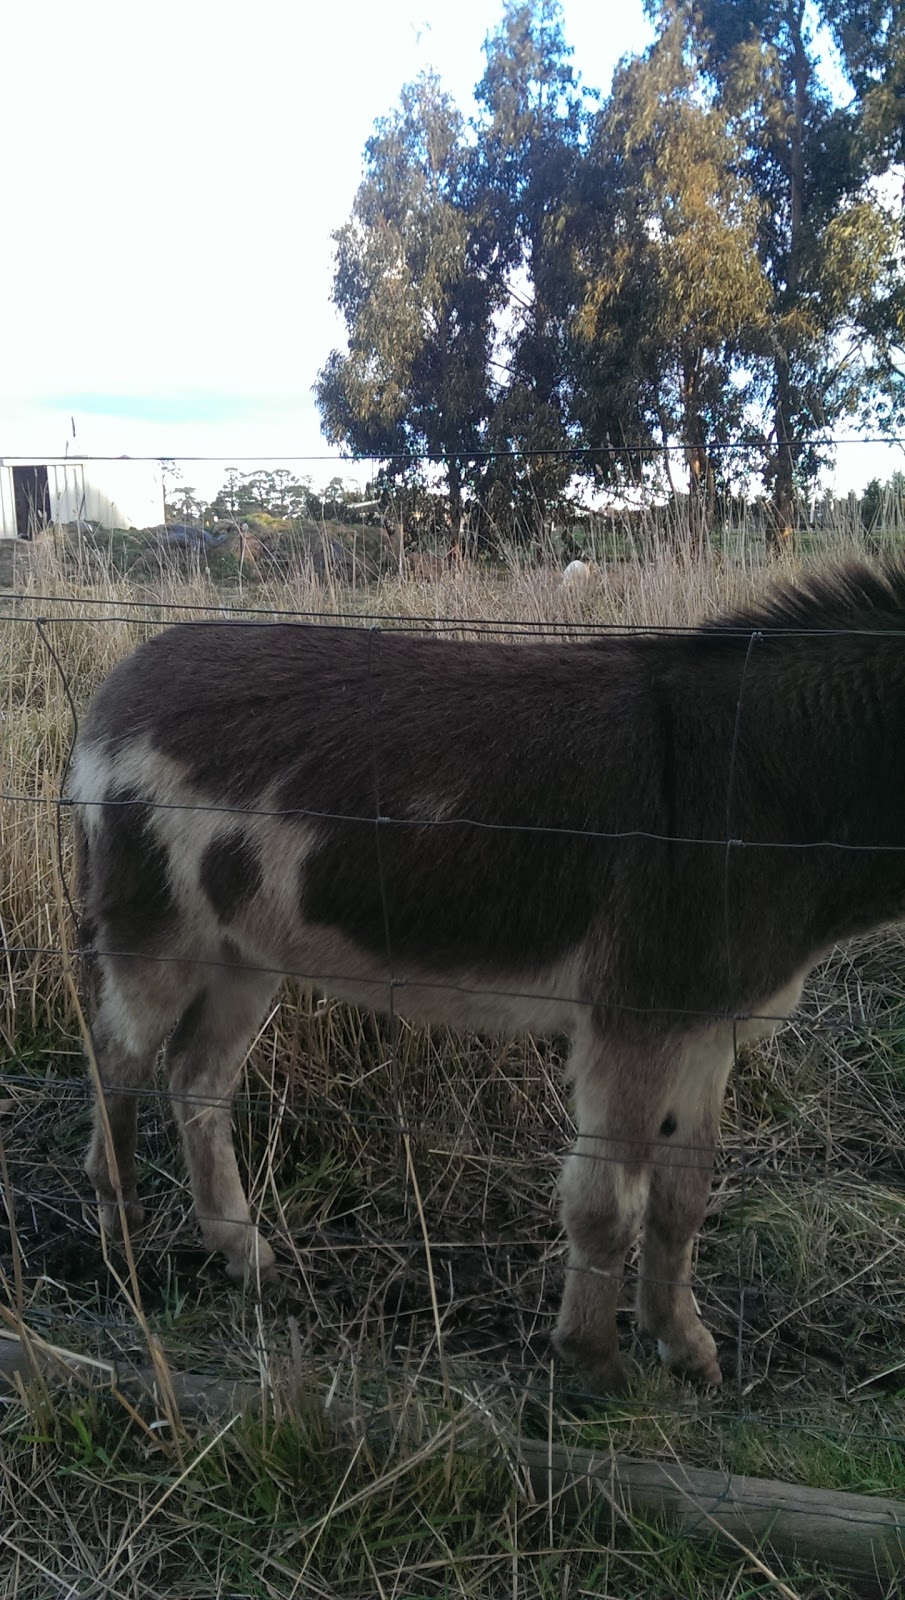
(117, 494)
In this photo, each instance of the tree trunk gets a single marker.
(667, 463)
(782, 526)
(454, 481)
(783, 522)
(394, 533)
(700, 471)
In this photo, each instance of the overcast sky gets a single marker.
(173, 172)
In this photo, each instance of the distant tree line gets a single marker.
(570, 288)
(278, 494)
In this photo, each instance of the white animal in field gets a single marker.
(577, 572)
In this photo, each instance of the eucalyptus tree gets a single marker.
(826, 239)
(672, 290)
(529, 132)
(870, 35)
(414, 289)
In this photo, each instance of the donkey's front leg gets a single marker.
(604, 1188)
(677, 1204)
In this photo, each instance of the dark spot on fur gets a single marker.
(230, 952)
(668, 1126)
(131, 901)
(230, 873)
(188, 1025)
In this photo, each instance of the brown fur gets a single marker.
(515, 836)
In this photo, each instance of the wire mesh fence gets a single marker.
(407, 1176)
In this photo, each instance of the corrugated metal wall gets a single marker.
(123, 494)
(117, 494)
(66, 481)
(8, 529)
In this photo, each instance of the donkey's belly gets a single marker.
(537, 1000)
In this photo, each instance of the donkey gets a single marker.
(643, 841)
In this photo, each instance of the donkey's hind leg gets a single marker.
(134, 1012)
(205, 1056)
(677, 1204)
(604, 1190)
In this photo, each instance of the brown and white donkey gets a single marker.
(643, 841)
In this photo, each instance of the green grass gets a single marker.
(425, 1504)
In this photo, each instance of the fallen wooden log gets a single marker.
(863, 1535)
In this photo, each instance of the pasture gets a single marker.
(408, 1179)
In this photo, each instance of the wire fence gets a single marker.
(379, 1260)
(820, 440)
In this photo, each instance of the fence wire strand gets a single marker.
(398, 622)
(505, 453)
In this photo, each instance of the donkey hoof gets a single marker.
(695, 1362)
(254, 1267)
(604, 1374)
(112, 1217)
(606, 1377)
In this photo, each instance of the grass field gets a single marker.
(422, 1269)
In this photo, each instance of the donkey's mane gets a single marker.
(847, 598)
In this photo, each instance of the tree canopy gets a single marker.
(571, 286)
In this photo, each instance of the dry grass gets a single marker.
(801, 1269)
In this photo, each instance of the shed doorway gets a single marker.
(32, 496)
